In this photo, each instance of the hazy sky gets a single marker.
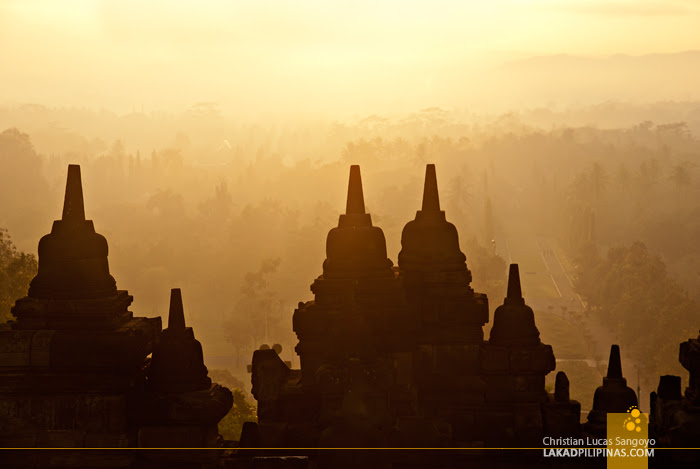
(315, 55)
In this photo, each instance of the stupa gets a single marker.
(74, 371)
(414, 334)
(72, 355)
(177, 364)
(674, 416)
(179, 406)
(354, 318)
(448, 316)
(613, 396)
(515, 363)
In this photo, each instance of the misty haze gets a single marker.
(215, 141)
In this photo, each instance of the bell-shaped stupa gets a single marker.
(515, 363)
(73, 257)
(74, 348)
(613, 396)
(73, 289)
(514, 321)
(178, 364)
(179, 395)
(355, 247)
(445, 316)
(430, 243)
(356, 315)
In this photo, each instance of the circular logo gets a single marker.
(632, 422)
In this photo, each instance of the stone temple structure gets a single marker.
(350, 337)
(391, 356)
(74, 370)
(449, 316)
(177, 405)
(397, 357)
(675, 417)
(613, 396)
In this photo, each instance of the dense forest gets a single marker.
(236, 214)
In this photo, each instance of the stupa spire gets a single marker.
(177, 364)
(430, 243)
(73, 205)
(431, 199)
(514, 291)
(355, 247)
(613, 396)
(176, 316)
(514, 321)
(73, 257)
(356, 200)
(614, 364)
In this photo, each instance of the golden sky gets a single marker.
(311, 55)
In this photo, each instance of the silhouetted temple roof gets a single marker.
(73, 257)
(356, 247)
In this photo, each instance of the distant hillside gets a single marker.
(675, 61)
(570, 79)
